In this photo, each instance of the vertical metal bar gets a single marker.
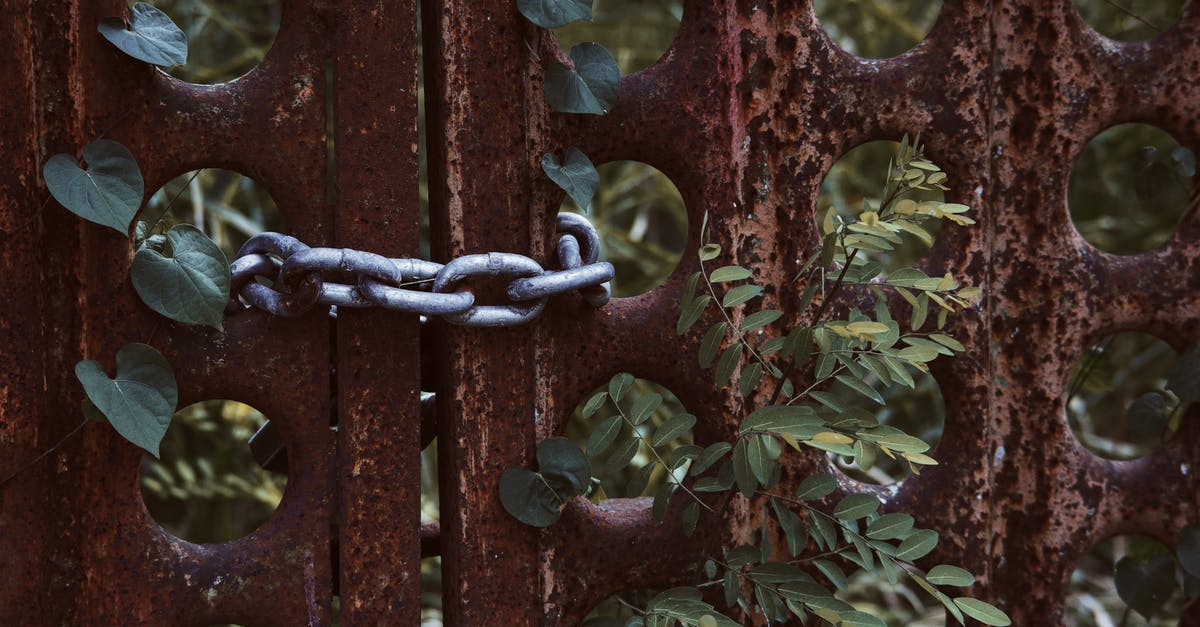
(479, 201)
(377, 352)
(22, 503)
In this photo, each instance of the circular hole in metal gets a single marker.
(636, 32)
(1131, 20)
(1118, 404)
(877, 30)
(1130, 187)
(228, 207)
(642, 222)
(226, 38)
(859, 181)
(919, 411)
(642, 474)
(208, 487)
(1146, 568)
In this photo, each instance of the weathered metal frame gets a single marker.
(745, 113)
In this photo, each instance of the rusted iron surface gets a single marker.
(745, 114)
(378, 367)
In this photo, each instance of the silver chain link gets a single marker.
(281, 275)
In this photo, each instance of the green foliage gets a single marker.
(149, 35)
(575, 175)
(140, 400)
(587, 85)
(537, 498)
(790, 410)
(108, 192)
(183, 276)
(555, 13)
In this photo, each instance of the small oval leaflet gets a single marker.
(108, 193)
(140, 401)
(151, 37)
(589, 88)
(189, 282)
(555, 13)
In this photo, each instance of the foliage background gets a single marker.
(208, 487)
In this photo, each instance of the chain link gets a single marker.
(282, 276)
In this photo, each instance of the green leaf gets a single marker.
(1188, 550)
(604, 435)
(947, 341)
(759, 319)
(140, 401)
(832, 573)
(732, 591)
(711, 342)
(594, 403)
(917, 545)
(691, 516)
(528, 498)
(662, 500)
(985, 613)
(710, 251)
(946, 575)
(742, 472)
(618, 385)
(188, 281)
(626, 451)
(591, 87)
(760, 456)
(728, 273)
(559, 458)
(555, 13)
(672, 428)
(792, 526)
(816, 487)
(640, 479)
(741, 294)
(890, 526)
(860, 387)
(151, 37)
(1144, 583)
(728, 361)
(861, 619)
(751, 377)
(108, 193)
(1184, 379)
(856, 506)
(644, 406)
(710, 456)
(690, 313)
(575, 175)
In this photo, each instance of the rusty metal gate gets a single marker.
(746, 113)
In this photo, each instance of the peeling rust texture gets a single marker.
(746, 113)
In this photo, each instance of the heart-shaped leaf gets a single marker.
(151, 36)
(537, 498)
(589, 88)
(576, 175)
(559, 459)
(109, 192)
(140, 401)
(528, 497)
(1145, 583)
(186, 278)
(555, 13)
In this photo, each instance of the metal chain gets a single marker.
(283, 276)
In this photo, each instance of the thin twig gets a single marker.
(57, 445)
